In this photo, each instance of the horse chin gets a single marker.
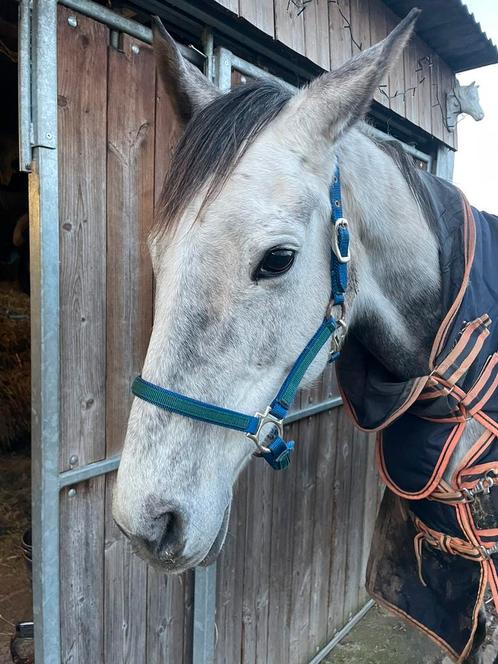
(217, 545)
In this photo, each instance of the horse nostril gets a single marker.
(168, 537)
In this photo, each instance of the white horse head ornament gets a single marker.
(463, 99)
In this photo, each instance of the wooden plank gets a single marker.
(230, 581)
(360, 25)
(169, 617)
(357, 481)
(448, 83)
(371, 506)
(257, 580)
(130, 204)
(437, 98)
(281, 570)
(82, 573)
(125, 594)
(305, 488)
(423, 95)
(378, 31)
(316, 33)
(259, 13)
(82, 98)
(340, 34)
(232, 5)
(339, 506)
(289, 24)
(321, 528)
(412, 77)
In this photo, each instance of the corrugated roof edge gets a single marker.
(445, 34)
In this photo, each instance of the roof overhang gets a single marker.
(451, 30)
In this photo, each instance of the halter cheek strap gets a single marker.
(266, 429)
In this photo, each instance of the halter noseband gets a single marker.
(266, 429)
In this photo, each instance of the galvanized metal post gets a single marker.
(24, 85)
(44, 250)
(204, 615)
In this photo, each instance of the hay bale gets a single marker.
(15, 368)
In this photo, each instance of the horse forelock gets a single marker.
(213, 142)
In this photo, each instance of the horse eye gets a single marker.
(275, 262)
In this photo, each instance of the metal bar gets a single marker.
(407, 148)
(113, 20)
(204, 615)
(320, 656)
(111, 464)
(89, 471)
(45, 394)
(223, 68)
(24, 85)
(208, 48)
(249, 69)
(309, 411)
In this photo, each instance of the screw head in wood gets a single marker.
(72, 21)
(73, 460)
(135, 49)
(71, 493)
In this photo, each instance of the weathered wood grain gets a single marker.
(232, 5)
(438, 110)
(130, 204)
(339, 34)
(340, 499)
(82, 99)
(423, 80)
(316, 33)
(230, 580)
(82, 573)
(360, 25)
(448, 82)
(289, 25)
(130, 209)
(259, 13)
(378, 31)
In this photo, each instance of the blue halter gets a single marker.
(266, 429)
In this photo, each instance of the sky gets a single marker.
(476, 162)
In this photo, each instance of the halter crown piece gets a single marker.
(266, 429)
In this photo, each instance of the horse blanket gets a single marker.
(435, 548)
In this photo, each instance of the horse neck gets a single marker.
(394, 300)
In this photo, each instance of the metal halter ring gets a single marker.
(264, 419)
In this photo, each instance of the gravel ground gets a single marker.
(381, 639)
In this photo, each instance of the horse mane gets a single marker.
(212, 144)
(414, 177)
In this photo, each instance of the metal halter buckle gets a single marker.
(340, 223)
(265, 419)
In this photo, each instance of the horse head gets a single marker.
(241, 255)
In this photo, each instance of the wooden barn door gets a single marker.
(115, 135)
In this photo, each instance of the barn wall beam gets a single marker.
(44, 267)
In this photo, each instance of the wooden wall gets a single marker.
(291, 572)
(328, 32)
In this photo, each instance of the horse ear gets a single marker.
(335, 101)
(188, 88)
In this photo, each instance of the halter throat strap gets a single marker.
(266, 429)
